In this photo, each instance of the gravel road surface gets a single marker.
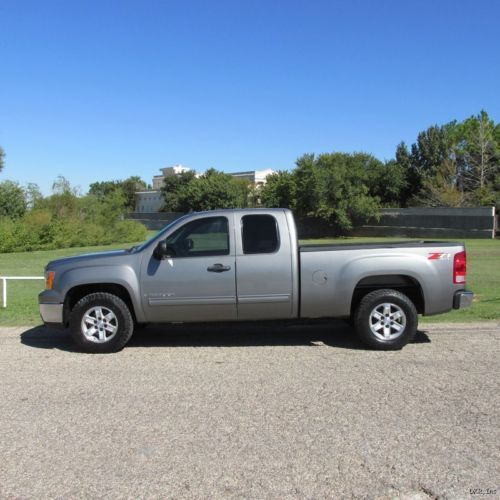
(298, 411)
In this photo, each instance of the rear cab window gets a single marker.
(259, 234)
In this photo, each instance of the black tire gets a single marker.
(122, 322)
(372, 331)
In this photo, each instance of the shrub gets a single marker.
(124, 231)
(63, 219)
(38, 231)
(7, 235)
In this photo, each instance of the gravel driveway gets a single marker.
(261, 412)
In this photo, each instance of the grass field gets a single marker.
(483, 278)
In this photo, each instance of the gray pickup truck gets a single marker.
(247, 265)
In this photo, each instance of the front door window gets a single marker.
(200, 238)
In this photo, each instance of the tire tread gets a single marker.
(366, 305)
(121, 338)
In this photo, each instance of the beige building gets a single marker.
(166, 172)
(257, 177)
(148, 201)
(152, 200)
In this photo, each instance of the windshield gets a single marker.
(148, 242)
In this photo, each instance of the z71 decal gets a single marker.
(439, 256)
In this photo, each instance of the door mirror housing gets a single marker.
(160, 252)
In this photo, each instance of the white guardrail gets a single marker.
(4, 285)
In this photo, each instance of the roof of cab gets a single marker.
(245, 210)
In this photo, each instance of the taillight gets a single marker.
(459, 267)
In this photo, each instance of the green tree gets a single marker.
(173, 185)
(334, 187)
(410, 173)
(2, 159)
(479, 157)
(127, 187)
(388, 182)
(432, 147)
(63, 186)
(457, 163)
(210, 191)
(101, 211)
(12, 200)
(63, 202)
(279, 191)
(442, 189)
(103, 189)
(33, 195)
(306, 180)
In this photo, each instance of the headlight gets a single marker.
(49, 279)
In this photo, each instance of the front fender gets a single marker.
(124, 276)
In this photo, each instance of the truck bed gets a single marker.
(322, 247)
(331, 273)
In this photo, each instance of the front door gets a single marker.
(196, 281)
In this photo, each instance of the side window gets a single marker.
(201, 237)
(259, 234)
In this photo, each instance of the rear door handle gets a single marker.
(218, 268)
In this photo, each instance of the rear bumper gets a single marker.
(462, 299)
(51, 313)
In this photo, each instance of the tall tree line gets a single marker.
(456, 164)
(452, 165)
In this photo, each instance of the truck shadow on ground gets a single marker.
(338, 334)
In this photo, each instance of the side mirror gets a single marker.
(160, 252)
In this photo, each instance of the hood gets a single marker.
(88, 258)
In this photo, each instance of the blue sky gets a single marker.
(97, 90)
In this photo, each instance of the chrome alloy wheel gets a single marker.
(387, 321)
(99, 324)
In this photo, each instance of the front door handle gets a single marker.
(218, 268)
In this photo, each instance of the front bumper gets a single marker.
(462, 299)
(51, 313)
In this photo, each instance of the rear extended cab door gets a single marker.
(264, 268)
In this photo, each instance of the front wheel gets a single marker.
(101, 323)
(386, 320)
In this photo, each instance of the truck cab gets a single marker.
(222, 266)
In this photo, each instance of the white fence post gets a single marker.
(4, 293)
(4, 285)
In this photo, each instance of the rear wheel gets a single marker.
(386, 319)
(101, 323)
